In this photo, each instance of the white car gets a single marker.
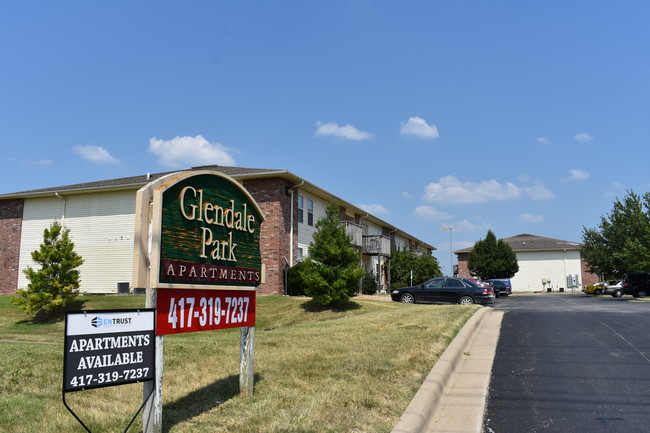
(614, 288)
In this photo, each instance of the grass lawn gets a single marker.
(352, 369)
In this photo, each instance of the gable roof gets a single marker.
(238, 173)
(136, 182)
(528, 242)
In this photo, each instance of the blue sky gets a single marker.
(514, 116)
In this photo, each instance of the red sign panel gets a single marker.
(188, 310)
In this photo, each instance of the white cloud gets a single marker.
(96, 154)
(531, 218)
(373, 208)
(538, 192)
(583, 137)
(406, 195)
(450, 189)
(419, 127)
(430, 213)
(348, 132)
(543, 140)
(578, 174)
(466, 226)
(190, 151)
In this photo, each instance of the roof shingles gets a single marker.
(528, 242)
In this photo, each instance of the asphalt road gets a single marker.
(571, 363)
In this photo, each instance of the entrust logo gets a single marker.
(98, 322)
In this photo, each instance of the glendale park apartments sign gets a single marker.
(209, 233)
(197, 254)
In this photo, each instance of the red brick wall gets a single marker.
(11, 220)
(463, 272)
(274, 199)
(587, 278)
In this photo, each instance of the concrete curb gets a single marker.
(417, 414)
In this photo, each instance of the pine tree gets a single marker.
(331, 273)
(55, 285)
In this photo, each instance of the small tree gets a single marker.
(402, 263)
(492, 259)
(331, 272)
(54, 286)
(368, 284)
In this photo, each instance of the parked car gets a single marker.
(501, 287)
(480, 282)
(445, 290)
(614, 288)
(636, 284)
(595, 289)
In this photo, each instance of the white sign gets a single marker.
(106, 348)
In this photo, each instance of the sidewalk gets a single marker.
(452, 397)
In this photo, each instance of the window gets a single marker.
(434, 284)
(300, 208)
(310, 212)
(454, 284)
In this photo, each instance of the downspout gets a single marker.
(565, 274)
(389, 257)
(64, 208)
(291, 223)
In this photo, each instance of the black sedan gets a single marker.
(445, 290)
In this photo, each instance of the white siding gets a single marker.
(305, 231)
(101, 227)
(370, 228)
(553, 265)
(401, 243)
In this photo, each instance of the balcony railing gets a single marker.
(355, 232)
(376, 245)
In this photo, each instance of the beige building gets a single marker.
(544, 263)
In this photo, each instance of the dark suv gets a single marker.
(500, 287)
(636, 284)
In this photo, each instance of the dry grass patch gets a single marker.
(352, 369)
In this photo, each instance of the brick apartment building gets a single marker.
(101, 219)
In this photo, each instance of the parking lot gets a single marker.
(571, 363)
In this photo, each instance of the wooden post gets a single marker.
(152, 413)
(246, 361)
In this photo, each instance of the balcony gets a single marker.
(355, 232)
(376, 245)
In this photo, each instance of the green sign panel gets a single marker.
(210, 233)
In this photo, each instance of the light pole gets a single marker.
(451, 250)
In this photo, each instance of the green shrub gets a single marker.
(295, 283)
(369, 284)
(55, 285)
